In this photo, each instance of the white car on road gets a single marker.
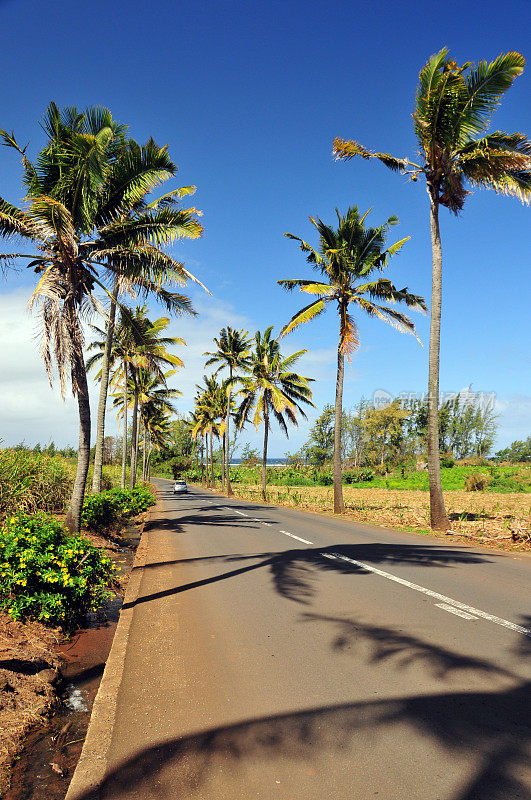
(179, 487)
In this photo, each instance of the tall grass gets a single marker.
(32, 482)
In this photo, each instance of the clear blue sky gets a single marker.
(249, 97)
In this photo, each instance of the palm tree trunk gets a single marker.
(439, 518)
(104, 386)
(73, 515)
(134, 441)
(339, 505)
(124, 453)
(207, 477)
(229, 488)
(223, 448)
(203, 460)
(144, 452)
(212, 479)
(264, 454)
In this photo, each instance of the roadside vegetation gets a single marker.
(47, 574)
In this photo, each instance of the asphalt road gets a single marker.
(279, 654)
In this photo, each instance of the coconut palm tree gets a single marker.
(154, 404)
(81, 241)
(233, 352)
(137, 345)
(150, 354)
(346, 257)
(272, 389)
(453, 109)
(180, 304)
(158, 431)
(210, 411)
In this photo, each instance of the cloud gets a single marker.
(31, 411)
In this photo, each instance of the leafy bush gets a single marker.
(360, 475)
(107, 509)
(447, 461)
(48, 575)
(476, 482)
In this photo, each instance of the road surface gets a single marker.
(280, 654)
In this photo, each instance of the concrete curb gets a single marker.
(92, 764)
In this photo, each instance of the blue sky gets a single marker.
(249, 97)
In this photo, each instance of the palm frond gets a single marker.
(486, 84)
(304, 315)
(346, 149)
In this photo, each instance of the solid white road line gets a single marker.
(449, 604)
(455, 603)
(456, 611)
(298, 538)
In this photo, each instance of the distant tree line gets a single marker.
(398, 433)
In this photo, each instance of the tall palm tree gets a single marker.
(233, 352)
(346, 257)
(453, 109)
(272, 389)
(137, 345)
(155, 405)
(81, 241)
(210, 412)
(151, 355)
(180, 304)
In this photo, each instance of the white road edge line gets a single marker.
(298, 538)
(455, 603)
(456, 611)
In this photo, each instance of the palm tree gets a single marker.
(233, 352)
(453, 108)
(210, 413)
(158, 429)
(150, 354)
(181, 304)
(155, 402)
(273, 390)
(346, 257)
(81, 239)
(137, 345)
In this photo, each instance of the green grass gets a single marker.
(500, 479)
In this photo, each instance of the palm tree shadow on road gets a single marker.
(294, 572)
(488, 728)
(492, 729)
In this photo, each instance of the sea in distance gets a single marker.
(271, 462)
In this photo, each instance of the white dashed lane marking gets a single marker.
(298, 538)
(448, 603)
(475, 612)
(456, 611)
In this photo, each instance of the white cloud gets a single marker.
(32, 411)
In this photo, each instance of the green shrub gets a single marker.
(447, 461)
(476, 482)
(109, 509)
(359, 475)
(48, 575)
